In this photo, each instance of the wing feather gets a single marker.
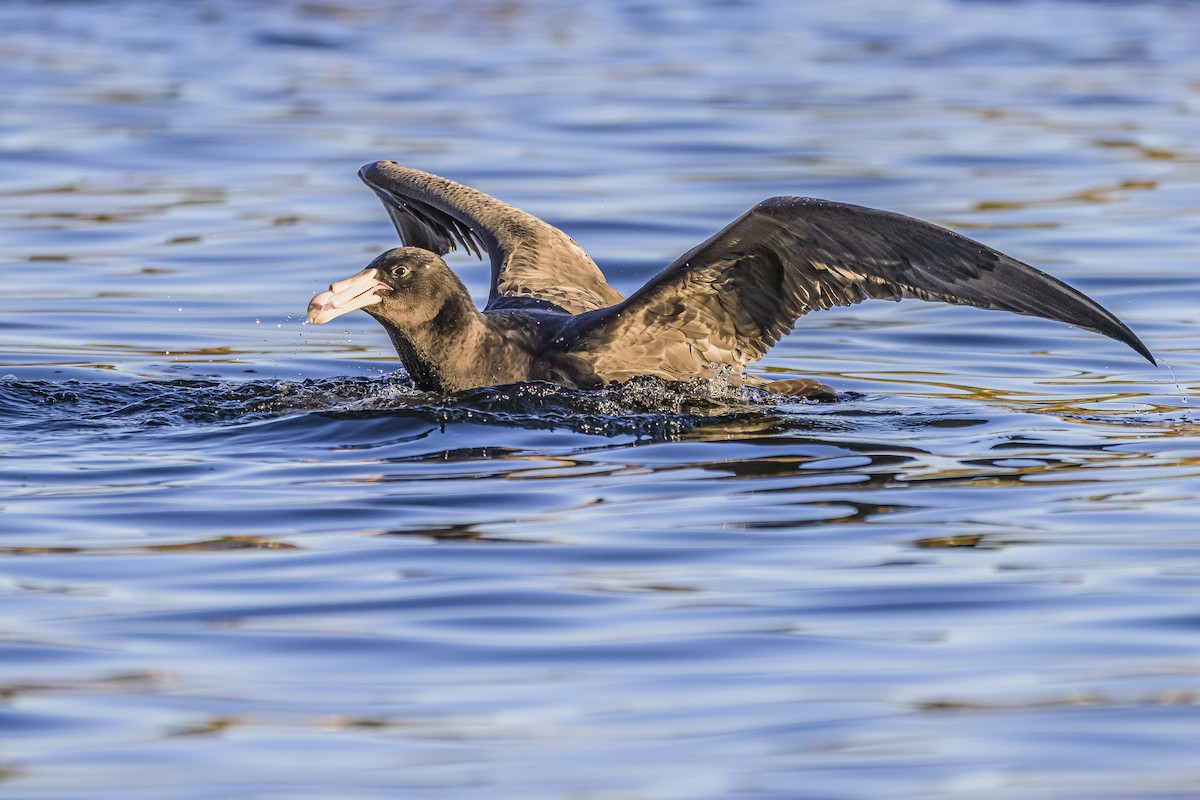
(729, 300)
(530, 259)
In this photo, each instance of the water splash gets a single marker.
(1183, 398)
(642, 407)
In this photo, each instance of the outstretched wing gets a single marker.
(530, 259)
(729, 300)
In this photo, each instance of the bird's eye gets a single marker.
(400, 272)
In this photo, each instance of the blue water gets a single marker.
(240, 556)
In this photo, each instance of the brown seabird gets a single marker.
(551, 316)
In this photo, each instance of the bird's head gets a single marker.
(405, 286)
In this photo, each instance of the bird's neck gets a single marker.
(437, 353)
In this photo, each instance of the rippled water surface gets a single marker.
(241, 556)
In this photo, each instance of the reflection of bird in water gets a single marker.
(550, 315)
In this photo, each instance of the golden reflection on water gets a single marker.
(212, 726)
(219, 544)
(1108, 193)
(956, 540)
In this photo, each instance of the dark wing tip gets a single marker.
(369, 173)
(1133, 341)
(1103, 322)
(423, 207)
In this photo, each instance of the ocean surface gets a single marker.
(242, 557)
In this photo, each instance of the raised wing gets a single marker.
(729, 300)
(529, 258)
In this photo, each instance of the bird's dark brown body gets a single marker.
(552, 317)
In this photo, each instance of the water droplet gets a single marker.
(1182, 396)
